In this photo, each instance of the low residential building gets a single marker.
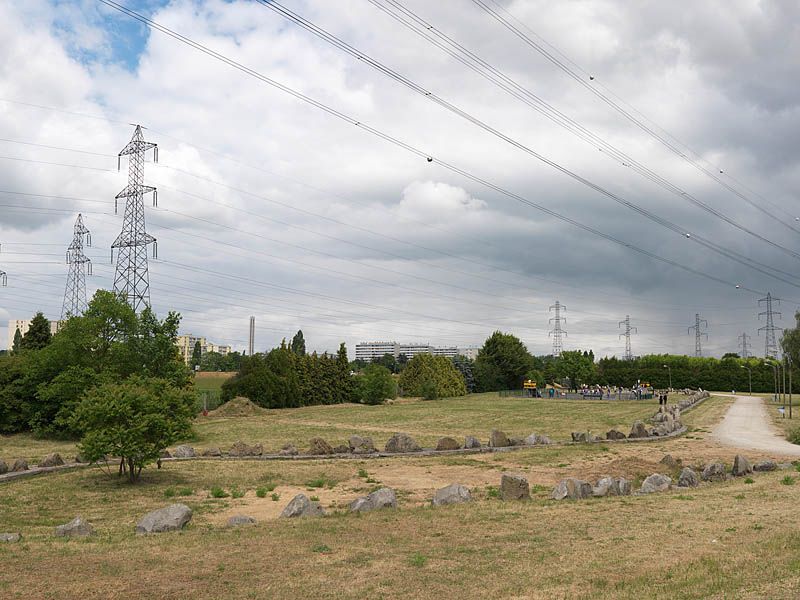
(369, 351)
(23, 325)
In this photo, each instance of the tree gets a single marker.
(375, 385)
(576, 366)
(197, 355)
(431, 376)
(134, 420)
(502, 363)
(38, 334)
(17, 341)
(299, 343)
(730, 355)
(388, 361)
(465, 367)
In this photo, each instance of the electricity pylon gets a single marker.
(770, 342)
(744, 345)
(628, 331)
(3, 278)
(75, 292)
(698, 334)
(557, 332)
(131, 278)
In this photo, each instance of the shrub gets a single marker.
(237, 493)
(428, 390)
(321, 548)
(218, 492)
(432, 376)
(169, 492)
(794, 435)
(363, 473)
(788, 480)
(185, 492)
(749, 480)
(261, 492)
(375, 384)
(418, 560)
(275, 497)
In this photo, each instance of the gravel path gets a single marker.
(747, 425)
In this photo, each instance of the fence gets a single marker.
(207, 400)
(619, 395)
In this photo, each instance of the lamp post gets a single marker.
(669, 369)
(789, 362)
(749, 377)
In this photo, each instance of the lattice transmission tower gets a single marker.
(698, 334)
(3, 278)
(557, 331)
(131, 278)
(79, 265)
(744, 345)
(628, 331)
(770, 342)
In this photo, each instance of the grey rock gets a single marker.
(447, 443)
(581, 436)
(498, 439)
(241, 449)
(614, 434)
(741, 466)
(318, 446)
(240, 520)
(714, 472)
(655, 483)
(623, 486)
(184, 451)
(169, 518)
(51, 460)
(514, 487)
(361, 445)
(341, 449)
(471, 442)
(765, 465)
(402, 442)
(454, 493)
(573, 489)
(363, 504)
(3, 467)
(516, 441)
(785, 466)
(288, 450)
(78, 527)
(669, 461)
(603, 488)
(10, 537)
(19, 465)
(212, 452)
(536, 439)
(688, 478)
(638, 430)
(383, 498)
(301, 506)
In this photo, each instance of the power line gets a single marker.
(698, 334)
(75, 291)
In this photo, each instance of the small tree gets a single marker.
(376, 384)
(299, 343)
(134, 420)
(197, 355)
(17, 341)
(38, 334)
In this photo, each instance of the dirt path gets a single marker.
(747, 425)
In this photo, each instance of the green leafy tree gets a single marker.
(428, 375)
(134, 420)
(299, 343)
(38, 334)
(576, 366)
(388, 361)
(197, 355)
(465, 367)
(375, 385)
(17, 346)
(502, 363)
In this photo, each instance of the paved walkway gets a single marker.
(747, 425)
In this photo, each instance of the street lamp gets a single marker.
(670, 375)
(789, 362)
(749, 377)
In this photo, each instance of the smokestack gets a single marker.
(251, 346)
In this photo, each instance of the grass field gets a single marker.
(727, 540)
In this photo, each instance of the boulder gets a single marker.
(301, 506)
(318, 446)
(362, 504)
(714, 472)
(361, 445)
(288, 450)
(51, 460)
(614, 434)
(655, 483)
(447, 443)
(498, 439)
(169, 518)
(242, 449)
(765, 465)
(741, 466)
(19, 465)
(623, 486)
(603, 488)
(516, 441)
(383, 498)
(638, 430)
(3, 467)
(164, 454)
(536, 439)
(240, 520)
(572, 488)
(184, 451)
(402, 442)
(10, 537)
(341, 449)
(581, 436)
(688, 478)
(471, 442)
(454, 493)
(514, 487)
(78, 527)
(669, 462)
(212, 452)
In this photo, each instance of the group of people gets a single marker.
(662, 399)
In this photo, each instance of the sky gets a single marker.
(272, 207)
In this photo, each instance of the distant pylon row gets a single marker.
(75, 291)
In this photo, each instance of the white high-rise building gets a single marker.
(369, 351)
(23, 325)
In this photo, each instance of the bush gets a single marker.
(261, 492)
(375, 384)
(275, 497)
(431, 377)
(794, 435)
(218, 492)
(428, 390)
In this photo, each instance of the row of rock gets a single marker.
(20, 464)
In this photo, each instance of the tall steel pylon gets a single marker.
(557, 332)
(3, 278)
(628, 331)
(770, 342)
(744, 345)
(698, 334)
(75, 292)
(131, 278)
